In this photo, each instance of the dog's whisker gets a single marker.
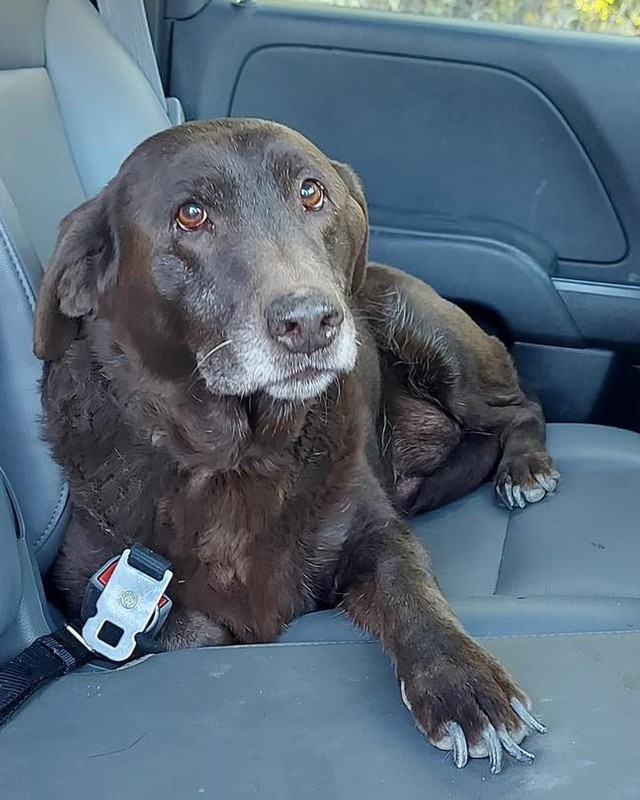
(205, 358)
(203, 361)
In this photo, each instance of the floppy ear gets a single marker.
(69, 288)
(361, 226)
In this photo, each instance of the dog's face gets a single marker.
(227, 250)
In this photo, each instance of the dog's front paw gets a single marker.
(469, 705)
(525, 478)
(187, 628)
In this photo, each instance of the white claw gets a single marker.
(494, 747)
(458, 744)
(534, 494)
(527, 717)
(518, 496)
(507, 494)
(405, 699)
(548, 482)
(514, 750)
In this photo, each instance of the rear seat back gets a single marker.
(73, 105)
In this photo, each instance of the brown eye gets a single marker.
(312, 194)
(191, 216)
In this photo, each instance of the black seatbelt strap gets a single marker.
(47, 658)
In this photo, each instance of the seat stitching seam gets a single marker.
(504, 547)
(375, 642)
(55, 516)
(14, 262)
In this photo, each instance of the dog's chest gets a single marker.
(235, 556)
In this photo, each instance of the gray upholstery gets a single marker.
(494, 615)
(73, 104)
(34, 478)
(10, 569)
(296, 720)
(569, 563)
(305, 721)
(585, 541)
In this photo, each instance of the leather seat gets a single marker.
(582, 542)
(567, 564)
(73, 105)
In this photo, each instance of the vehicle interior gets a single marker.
(502, 165)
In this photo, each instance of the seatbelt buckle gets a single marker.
(124, 601)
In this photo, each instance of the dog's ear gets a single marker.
(69, 288)
(360, 224)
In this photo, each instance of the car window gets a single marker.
(587, 16)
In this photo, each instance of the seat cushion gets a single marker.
(10, 571)
(304, 722)
(584, 541)
(568, 564)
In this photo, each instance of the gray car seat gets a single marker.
(281, 721)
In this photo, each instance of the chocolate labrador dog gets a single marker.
(230, 383)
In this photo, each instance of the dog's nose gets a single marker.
(304, 322)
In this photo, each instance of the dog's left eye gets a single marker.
(191, 216)
(312, 194)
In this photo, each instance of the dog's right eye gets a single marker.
(191, 216)
(312, 194)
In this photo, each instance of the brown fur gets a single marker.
(270, 507)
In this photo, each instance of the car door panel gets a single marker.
(498, 164)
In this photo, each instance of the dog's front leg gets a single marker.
(460, 696)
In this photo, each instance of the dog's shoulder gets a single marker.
(411, 324)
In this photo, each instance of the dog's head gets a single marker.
(226, 249)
